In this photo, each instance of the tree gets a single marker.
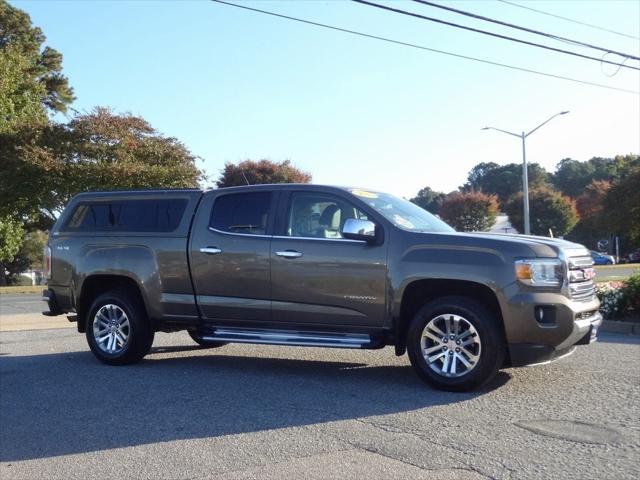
(429, 199)
(504, 181)
(590, 227)
(621, 207)
(10, 241)
(21, 96)
(469, 212)
(30, 255)
(41, 68)
(549, 210)
(46, 166)
(573, 176)
(263, 171)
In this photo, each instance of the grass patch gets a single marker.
(18, 289)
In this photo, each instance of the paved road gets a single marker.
(24, 312)
(288, 413)
(21, 304)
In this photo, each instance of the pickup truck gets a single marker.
(319, 266)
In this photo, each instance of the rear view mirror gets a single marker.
(355, 229)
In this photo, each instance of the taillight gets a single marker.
(47, 262)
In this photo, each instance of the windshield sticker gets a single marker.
(364, 194)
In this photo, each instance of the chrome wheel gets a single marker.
(111, 329)
(450, 345)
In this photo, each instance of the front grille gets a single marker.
(581, 285)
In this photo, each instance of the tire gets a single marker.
(475, 353)
(117, 328)
(205, 343)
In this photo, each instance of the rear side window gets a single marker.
(128, 216)
(246, 213)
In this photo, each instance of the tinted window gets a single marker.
(128, 216)
(319, 216)
(242, 213)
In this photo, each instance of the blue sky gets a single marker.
(233, 84)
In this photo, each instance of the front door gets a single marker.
(317, 276)
(230, 250)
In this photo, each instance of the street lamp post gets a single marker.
(525, 175)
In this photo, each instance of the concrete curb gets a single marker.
(611, 326)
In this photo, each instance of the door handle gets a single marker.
(289, 254)
(210, 250)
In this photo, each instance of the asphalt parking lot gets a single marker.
(246, 411)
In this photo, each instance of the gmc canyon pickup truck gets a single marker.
(317, 266)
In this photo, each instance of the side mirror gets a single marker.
(355, 229)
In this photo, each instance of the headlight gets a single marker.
(540, 272)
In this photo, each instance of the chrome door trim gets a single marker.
(215, 230)
(284, 237)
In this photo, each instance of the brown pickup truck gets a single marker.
(317, 266)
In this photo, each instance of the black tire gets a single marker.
(205, 343)
(139, 333)
(491, 348)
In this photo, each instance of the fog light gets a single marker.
(545, 314)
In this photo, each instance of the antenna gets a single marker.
(245, 177)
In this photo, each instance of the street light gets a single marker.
(525, 179)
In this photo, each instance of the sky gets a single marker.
(233, 84)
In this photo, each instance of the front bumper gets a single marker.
(533, 342)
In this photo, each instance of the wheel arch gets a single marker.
(420, 292)
(95, 285)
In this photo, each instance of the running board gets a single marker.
(291, 337)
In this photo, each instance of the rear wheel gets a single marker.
(196, 337)
(455, 344)
(118, 330)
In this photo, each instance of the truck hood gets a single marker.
(541, 246)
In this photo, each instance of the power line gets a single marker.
(497, 35)
(420, 47)
(570, 20)
(525, 29)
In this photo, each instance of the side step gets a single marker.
(291, 337)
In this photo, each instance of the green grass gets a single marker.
(16, 290)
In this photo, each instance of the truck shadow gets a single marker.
(68, 403)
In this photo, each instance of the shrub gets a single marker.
(612, 299)
(631, 292)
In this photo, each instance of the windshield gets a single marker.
(401, 213)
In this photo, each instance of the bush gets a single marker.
(612, 300)
(631, 292)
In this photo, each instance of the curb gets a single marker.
(611, 326)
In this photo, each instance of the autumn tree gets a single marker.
(261, 172)
(429, 199)
(469, 212)
(549, 210)
(99, 150)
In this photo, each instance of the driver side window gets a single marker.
(319, 216)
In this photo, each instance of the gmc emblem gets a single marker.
(589, 273)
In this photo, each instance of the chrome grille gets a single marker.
(581, 273)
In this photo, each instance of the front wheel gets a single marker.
(455, 344)
(117, 330)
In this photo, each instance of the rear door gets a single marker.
(319, 277)
(230, 250)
